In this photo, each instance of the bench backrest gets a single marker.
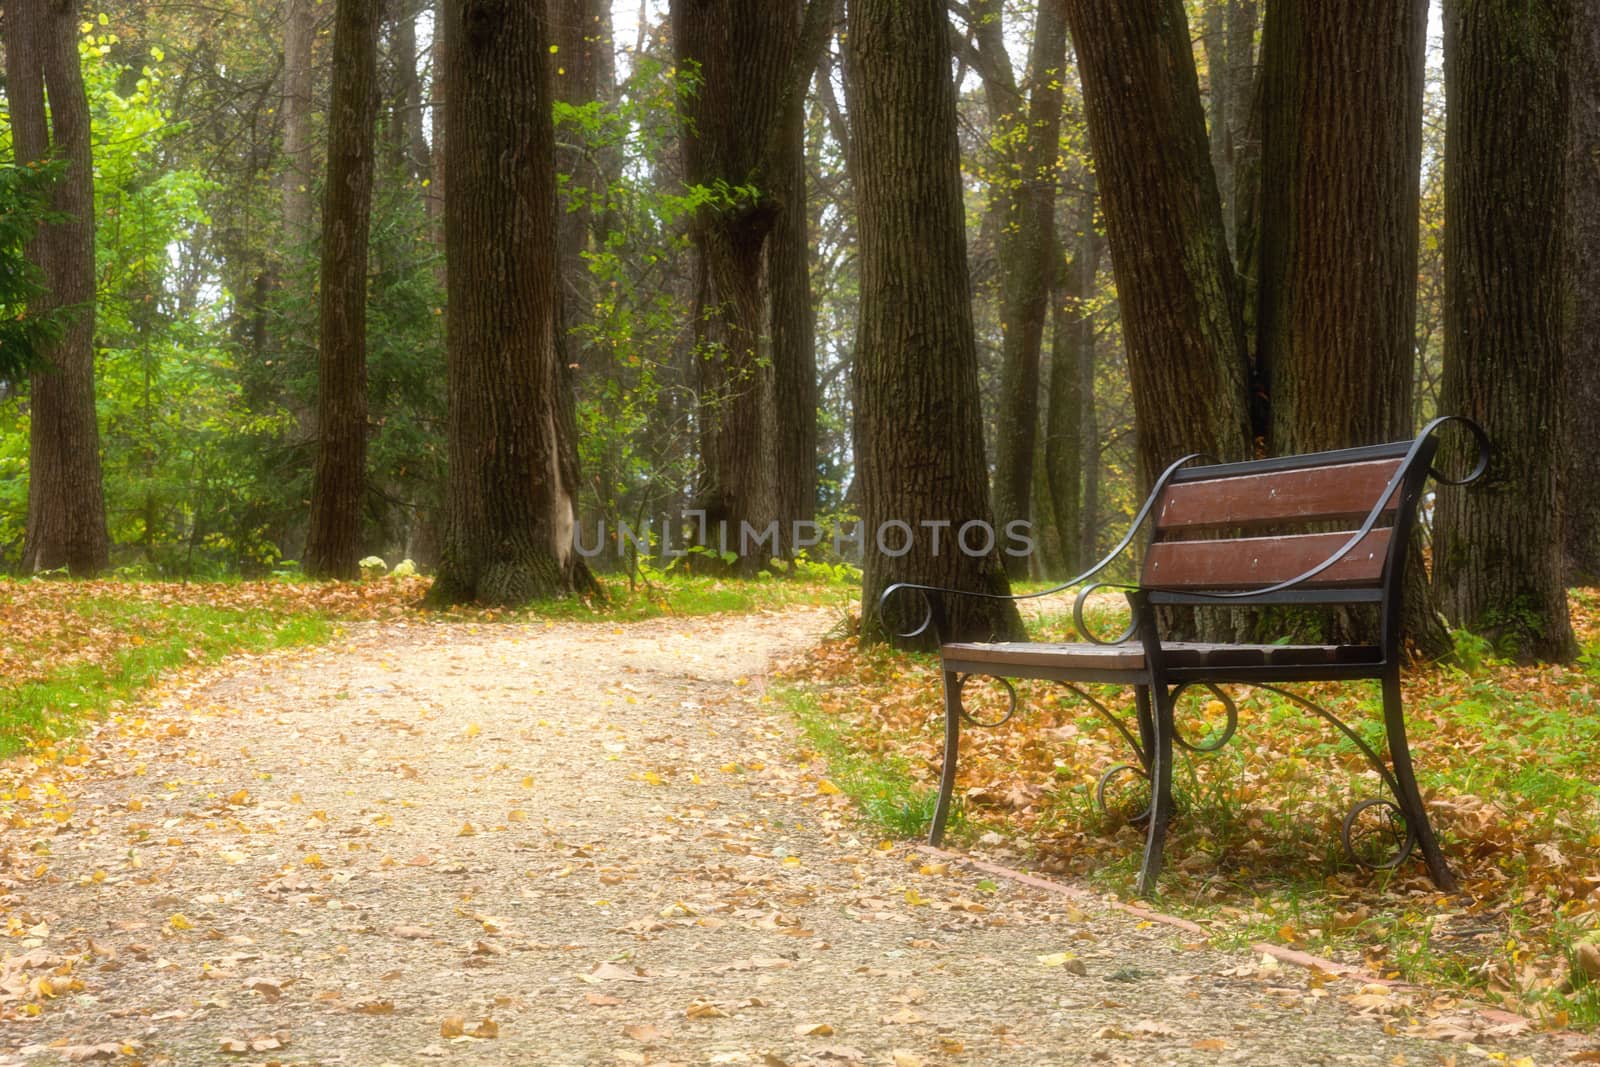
(1255, 525)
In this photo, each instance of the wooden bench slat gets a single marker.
(1246, 562)
(1303, 495)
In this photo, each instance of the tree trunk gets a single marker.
(1230, 28)
(918, 425)
(1175, 281)
(439, 85)
(1066, 433)
(1341, 163)
(406, 146)
(513, 481)
(66, 524)
(1337, 255)
(743, 127)
(299, 30)
(1027, 267)
(1498, 544)
(1583, 325)
(338, 488)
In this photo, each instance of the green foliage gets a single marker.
(632, 348)
(23, 198)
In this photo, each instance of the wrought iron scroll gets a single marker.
(1406, 841)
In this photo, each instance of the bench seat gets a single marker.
(1129, 655)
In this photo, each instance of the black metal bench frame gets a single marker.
(1361, 566)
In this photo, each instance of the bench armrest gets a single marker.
(932, 594)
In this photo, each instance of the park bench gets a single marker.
(1322, 529)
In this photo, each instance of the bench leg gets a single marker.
(952, 746)
(1407, 795)
(1147, 725)
(1160, 750)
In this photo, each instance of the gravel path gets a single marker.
(578, 844)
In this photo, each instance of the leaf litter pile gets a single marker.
(1507, 757)
(575, 843)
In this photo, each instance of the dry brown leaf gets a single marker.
(373, 1007)
(1211, 1044)
(704, 1009)
(266, 987)
(486, 1029)
(452, 1026)
(813, 1030)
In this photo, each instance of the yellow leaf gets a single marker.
(473, 729)
(527, 782)
(180, 921)
(517, 815)
(916, 899)
(467, 830)
(828, 789)
(312, 859)
(452, 1026)
(239, 797)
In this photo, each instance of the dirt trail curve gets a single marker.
(571, 844)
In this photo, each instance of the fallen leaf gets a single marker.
(452, 1026)
(486, 1029)
(907, 1058)
(1067, 961)
(814, 1030)
(704, 1009)
(85, 1053)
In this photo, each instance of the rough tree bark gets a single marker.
(338, 486)
(918, 425)
(1341, 159)
(1336, 262)
(1583, 325)
(1175, 281)
(513, 481)
(66, 524)
(744, 126)
(1027, 267)
(1498, 544)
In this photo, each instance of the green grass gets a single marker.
(689, 595)
(148, 639)
(881, 786)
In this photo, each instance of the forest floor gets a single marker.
(583, 843)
